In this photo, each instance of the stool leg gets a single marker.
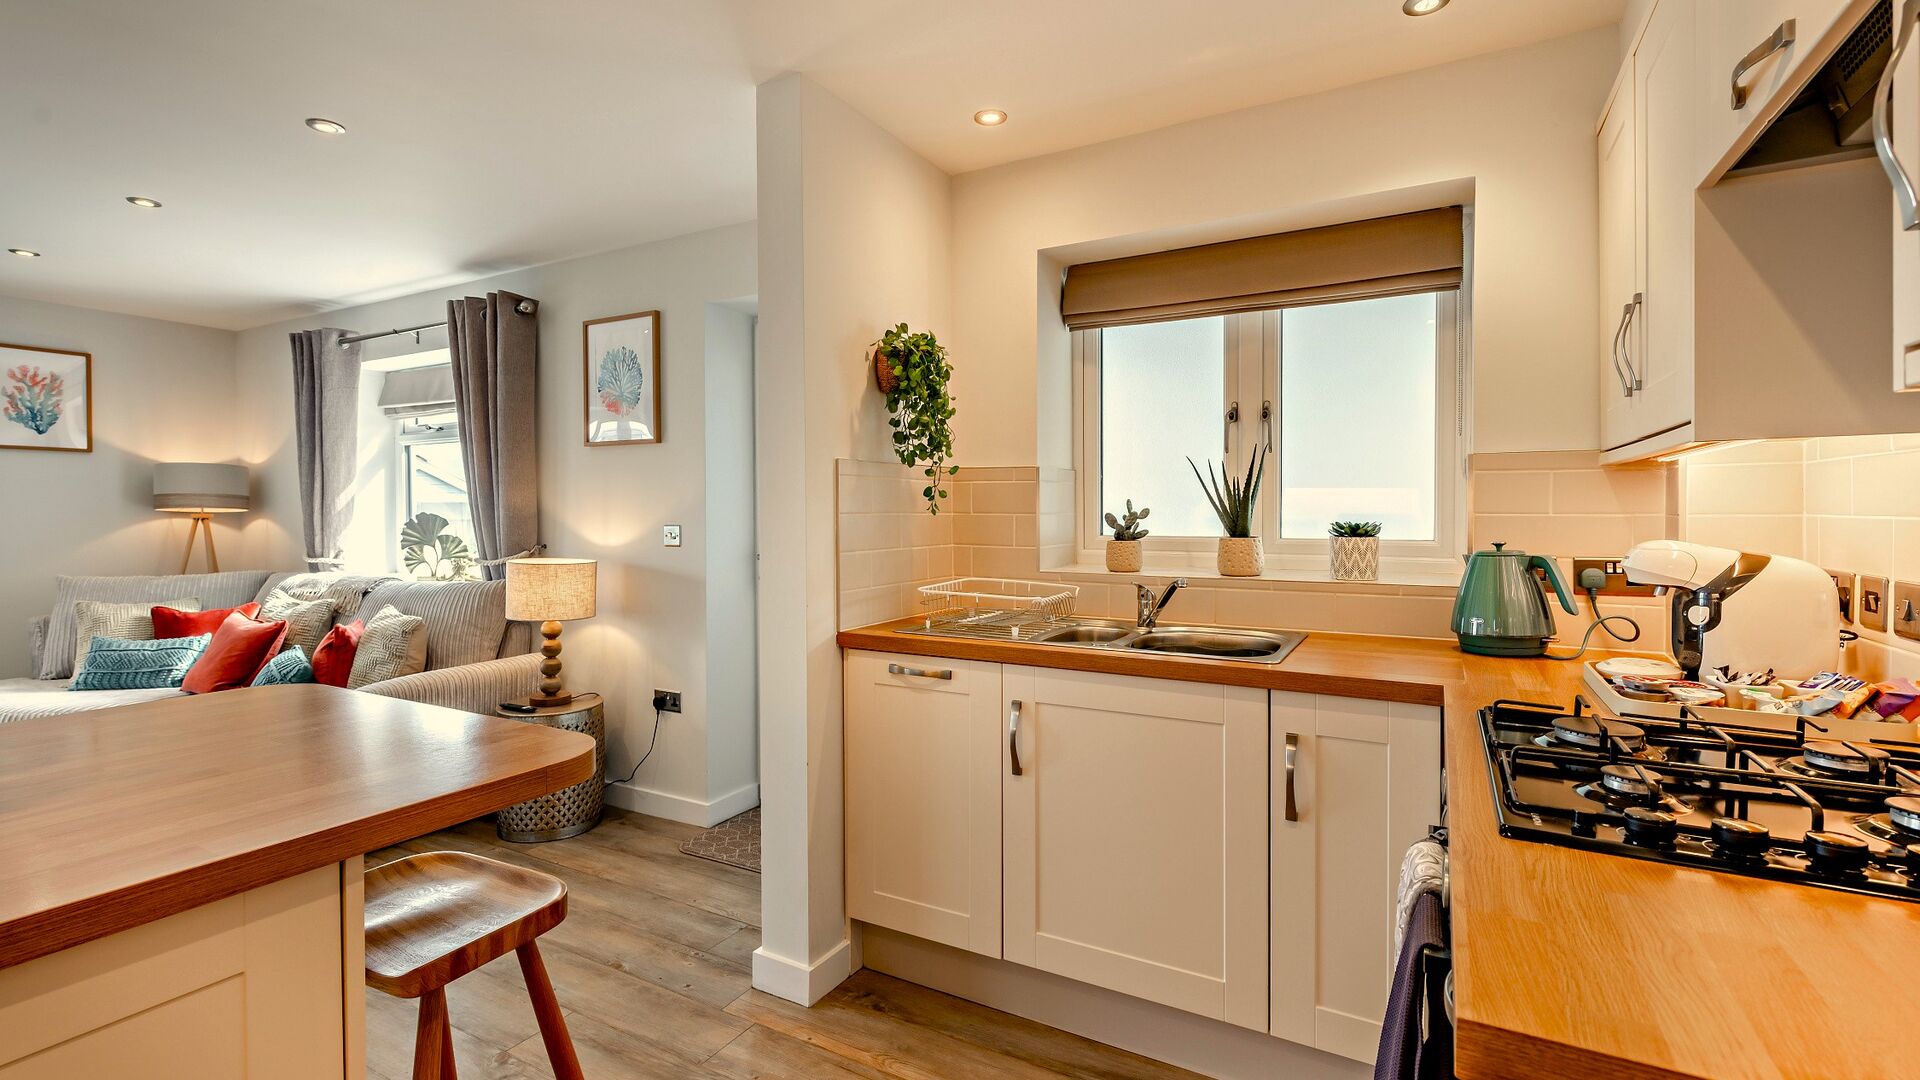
(431, 1058)
(546, 1009)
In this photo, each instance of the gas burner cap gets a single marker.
(1739, 840)
(1836, 853)
(1842, 759)
(1627, 780)
(1585, 731)
(1904, 812)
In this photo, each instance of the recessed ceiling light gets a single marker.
(1422, 7)
(326, 127)
(990, 117)
(143, 202)
(24, 253)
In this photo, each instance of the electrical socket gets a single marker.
(1906, 609)
(1843, 582)
(666, 700)
(1872, 598)
(1616, 577)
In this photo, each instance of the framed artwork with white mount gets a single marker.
(622, 378)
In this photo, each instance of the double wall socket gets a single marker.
(1616, 578)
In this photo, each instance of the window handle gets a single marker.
(1266, 424)
(1226, 429)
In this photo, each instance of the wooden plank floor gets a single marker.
(652, 969)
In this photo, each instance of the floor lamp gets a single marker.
(200, 490)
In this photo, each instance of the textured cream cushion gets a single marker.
(465, 619)
(308, 618)
(345, 590)
(393, 645)
(131, 622)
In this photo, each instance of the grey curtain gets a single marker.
(495, 345)
(326, 407)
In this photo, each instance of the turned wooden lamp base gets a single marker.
(550, 693)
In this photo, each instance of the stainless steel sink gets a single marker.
(1259, 646)
(1087, 634)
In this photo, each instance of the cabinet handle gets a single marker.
(1293, 751)
(1905, 200)
(1013, 737)
(1626, 387)
(1626, 340)
(1782, 38)
(920, 673)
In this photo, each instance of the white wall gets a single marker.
(1514, 128)
(733, 744)
(854, 237)
(162, 391)
(606, 503)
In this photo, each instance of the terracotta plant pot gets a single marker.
(882, 370)
(1240, 556)
(1124, 556)
(1356, 558)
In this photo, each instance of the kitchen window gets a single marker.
(433, 485)
(1358, 402)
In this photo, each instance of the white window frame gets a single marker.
(1252, 380)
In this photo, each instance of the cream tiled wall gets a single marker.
(889, 544)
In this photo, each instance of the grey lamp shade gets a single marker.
(194, 487)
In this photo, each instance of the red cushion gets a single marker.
(239, 649)
(169, 623)
(333, 657)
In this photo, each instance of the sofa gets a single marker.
(475, 657)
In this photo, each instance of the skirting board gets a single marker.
(801, 983)
(1192, 1042)
(680, 808)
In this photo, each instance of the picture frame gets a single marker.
(46, 399)
(620, 373)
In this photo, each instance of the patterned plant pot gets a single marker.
(882, 370)
(1240, 556)
(1124, 556)
(1356, 558)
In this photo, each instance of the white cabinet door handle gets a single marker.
(920, 673)
(1904, 197)
(1293, 751)
(1626, 387)
(1626, 341)
(1013, 737)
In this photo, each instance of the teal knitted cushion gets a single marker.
(119, 664)
(290, 666)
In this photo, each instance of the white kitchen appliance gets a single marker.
(1742, 610)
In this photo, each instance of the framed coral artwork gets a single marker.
(623, 378)
(46, 399)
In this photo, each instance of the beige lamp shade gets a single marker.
(194, 487)
(551, 590)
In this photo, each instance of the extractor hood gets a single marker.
(1832, 119)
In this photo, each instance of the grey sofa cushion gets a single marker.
(230, 589)
(345, 590)
(466, 620)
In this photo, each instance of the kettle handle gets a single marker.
(1559, 583)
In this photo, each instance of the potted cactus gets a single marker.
(1123, 549)
(1235, 501)
(1356, 550)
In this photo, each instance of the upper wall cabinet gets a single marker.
(1751, 52)
(1899, 147)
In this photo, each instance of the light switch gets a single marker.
(670, 535)
(1873, 602)
(1906, 609)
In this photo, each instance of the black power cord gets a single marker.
(1599, 623)
(659, 706)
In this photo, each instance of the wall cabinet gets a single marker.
(1619, 267)
(1750, 51)
(1364, 778)
(1905, 148)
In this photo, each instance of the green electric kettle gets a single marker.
(1501, 609)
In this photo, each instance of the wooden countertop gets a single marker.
(119, 817)
(1572, 964)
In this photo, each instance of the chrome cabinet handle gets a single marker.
(1782, 38)
(920, 673)
(1013, 737)
(1626, 341)
(1905, 199)
(1292, 752)
(1626, 387)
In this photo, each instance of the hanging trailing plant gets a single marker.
(912, 370)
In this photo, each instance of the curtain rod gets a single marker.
(524, 307)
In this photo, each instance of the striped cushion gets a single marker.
(119, 664)
(345, 590)
(308, 619)
(290, 666)
(392, 645)
(465, 619)
(128, 622)
(230, 589)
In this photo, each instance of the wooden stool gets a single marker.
(433, 918)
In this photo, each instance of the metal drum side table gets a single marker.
(576, 809)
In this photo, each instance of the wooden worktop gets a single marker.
(1573, 964)
(120, 817)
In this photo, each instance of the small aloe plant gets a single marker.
(1354, 528)
(1233, 500)
(1128, 527)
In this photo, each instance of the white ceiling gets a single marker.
(489, 135)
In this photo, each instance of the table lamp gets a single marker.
(550, 592)
(200, 490)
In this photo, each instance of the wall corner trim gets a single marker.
(803, 984)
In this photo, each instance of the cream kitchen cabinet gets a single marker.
(1751, 52)
(1619, 271)
(1900, 153)
(1354, 783)
(922, 745)
(1136, 836)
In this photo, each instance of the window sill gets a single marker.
(1389, 581)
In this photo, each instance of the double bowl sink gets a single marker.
(1255, 646)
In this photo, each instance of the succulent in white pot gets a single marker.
(1123, 549)
(1356, 550)
(1234, 501)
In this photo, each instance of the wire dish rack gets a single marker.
(1000, 609)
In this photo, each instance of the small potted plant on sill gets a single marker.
(1234, 502)
(912, 371)
(1123, 550)
(1356, 550)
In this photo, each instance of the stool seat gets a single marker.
(433, 918)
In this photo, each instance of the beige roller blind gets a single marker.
(1389, 256)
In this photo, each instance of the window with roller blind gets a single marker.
(1340, 354)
